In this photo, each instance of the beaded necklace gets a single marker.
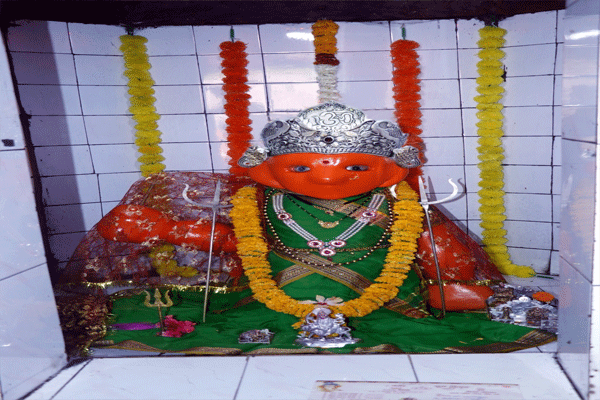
(327, 248)
(294, 252)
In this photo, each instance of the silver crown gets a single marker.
(333, 128)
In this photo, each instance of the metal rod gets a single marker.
(425, 204)
(437, 264)
(214, 206)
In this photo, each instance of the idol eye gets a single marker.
(357, 168)
(301, 168)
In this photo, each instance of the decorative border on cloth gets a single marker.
(133, 285)
(531, 339)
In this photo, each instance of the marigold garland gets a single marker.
(253, 250)
(326, 64)
(407, 98)
(491, 152)
(142, 103)
(237, 101)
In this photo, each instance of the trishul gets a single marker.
(214, 205)
(425, 203)
(158, 304)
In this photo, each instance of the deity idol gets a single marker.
(323, 224)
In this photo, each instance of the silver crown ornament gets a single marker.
(332, 128)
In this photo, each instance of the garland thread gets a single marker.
(407, 98)
(491, 152)
(326, 64)
(253, 251)
(137, 70)
(237, 101)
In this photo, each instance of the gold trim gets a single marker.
(337, 273)
(271, 351)
(291, 274)
(531, 339)
(472, 282)
(379, 349)
(138, 346)
(137, 285)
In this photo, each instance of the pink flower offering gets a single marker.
(176, 329)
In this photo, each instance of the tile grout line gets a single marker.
(71, 379)
(413, 368)
(237, 389)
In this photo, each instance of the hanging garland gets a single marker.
(237, 101)
(142, 107)
(326, 64)
(407, 96)
(491, 152)
(137, 70)
(253, 250)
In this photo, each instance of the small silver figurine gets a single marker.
(323, 330)
(256, 336)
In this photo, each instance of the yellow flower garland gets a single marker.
(253, 250)
(148, 136)
(142, 103)
(491, 153)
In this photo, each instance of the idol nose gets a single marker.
(327, 172)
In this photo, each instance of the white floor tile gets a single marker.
(51, 387)
(293, 377)
(156, 378)
(538, 375)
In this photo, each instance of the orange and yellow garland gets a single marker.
(326, 64)
(253, 251)
(237, 101)
(407, 98)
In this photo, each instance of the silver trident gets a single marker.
(425, 203)
(214, 205)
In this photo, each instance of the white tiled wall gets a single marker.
(70, 81)
(579, 319)
(31, 342)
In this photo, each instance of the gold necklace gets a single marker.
(294, 252)
(325, 224)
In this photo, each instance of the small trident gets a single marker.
(158, 304)
(425, 203)
(214, 205)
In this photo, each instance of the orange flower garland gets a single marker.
(406, 94)
(253, 251)
(237, 101)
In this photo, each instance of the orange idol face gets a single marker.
(328, 176)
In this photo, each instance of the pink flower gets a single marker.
(176, 329)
